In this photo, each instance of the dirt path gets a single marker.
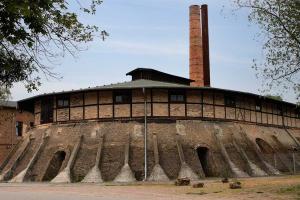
(287, 187)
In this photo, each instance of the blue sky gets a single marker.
(155, 34)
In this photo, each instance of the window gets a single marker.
(122, 97)
(177, 96)
(230, 101)
(297, 112)
(258, 106)
(63, 101)
(47, 110)
(19, 129)
(280, 109)
(31, 124)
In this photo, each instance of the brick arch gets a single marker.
(55, 165)
(203, 155)
(201, 144)
(264, 146)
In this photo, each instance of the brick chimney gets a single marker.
(199, 46)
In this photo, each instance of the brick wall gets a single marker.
(27, 118)
(7, 131)
(8, 137)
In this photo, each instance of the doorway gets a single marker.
(47, 110)
(54, 166)
(203, 153)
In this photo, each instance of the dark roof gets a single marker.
(8, 104)
(142, 83)
(155, 75)
(124, 85)
(150, 84)
(153, 70)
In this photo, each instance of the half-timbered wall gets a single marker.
(202, 104)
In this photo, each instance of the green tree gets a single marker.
(4, 93)
(35, 33)
(275, 97)
(279, 21)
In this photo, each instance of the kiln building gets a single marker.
(156, 127)
(170, 98)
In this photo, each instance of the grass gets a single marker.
(294, 190)
(270, 188)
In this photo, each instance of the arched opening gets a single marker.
(264, 146)
(203, 158)
(54, 166)
(139, 175)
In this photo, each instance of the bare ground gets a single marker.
(284, 187)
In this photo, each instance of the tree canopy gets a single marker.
(275, 97)
(34, 33)
(279, 21)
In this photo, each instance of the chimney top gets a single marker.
(199, 46)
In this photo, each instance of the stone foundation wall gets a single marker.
(191, 133)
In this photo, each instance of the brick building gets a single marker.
(13, 124)
(156, 127)
(171, 100)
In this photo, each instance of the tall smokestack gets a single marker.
(205, 42)
(199, 46)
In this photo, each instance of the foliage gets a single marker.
(294, 189)
(275, 97)
(33, 34)
(4, 93)
(279, 21)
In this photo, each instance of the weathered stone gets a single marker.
(234, 169)
(198, 185)
(253, 169)
(65, 175)
(182, 182)
(225, 180)
(186, 171)
(22, 175)
(158, 174)
(125, 175)
(94, 176)
(7, 174)
(198, 133)
(235, 185)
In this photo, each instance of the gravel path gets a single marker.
(253, 188)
